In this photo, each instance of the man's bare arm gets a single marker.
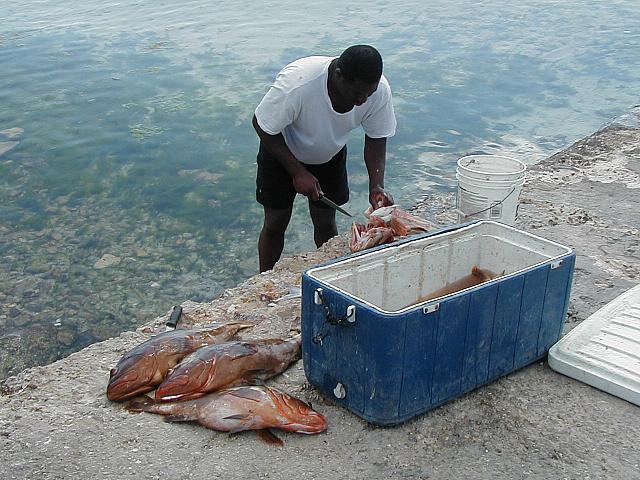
(375, 154)
(303, 181)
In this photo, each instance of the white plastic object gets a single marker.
(604, 350)
(317, 296)
(489, 187)
(351, 313)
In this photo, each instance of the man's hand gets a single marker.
(306, 184)
(378, 197)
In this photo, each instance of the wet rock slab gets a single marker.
(55, 421)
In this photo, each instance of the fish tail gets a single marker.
(178, 418)
(296, 345)
(143, 403)
(178, 411)
(296, 325)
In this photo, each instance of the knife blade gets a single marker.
(335, 206)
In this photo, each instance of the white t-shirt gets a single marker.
(298, 106)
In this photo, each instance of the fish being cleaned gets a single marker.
(240, 408)
(229, 364)
(144, 367)
(402, 222)
(363, 237)
(410, 223)
(476, 277)
(385, 225)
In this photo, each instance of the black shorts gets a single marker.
(274, 186)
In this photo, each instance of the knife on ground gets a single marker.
(172, 323)
(335, 206)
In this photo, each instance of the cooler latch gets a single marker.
(339, 391)
(330, 317)
(431, 308)
(333, 319)
(351, 313)
(556, 264)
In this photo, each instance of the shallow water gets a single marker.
(127, 157)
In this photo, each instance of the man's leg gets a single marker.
(324, 223)
(271, 240)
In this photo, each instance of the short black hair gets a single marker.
(361, 62)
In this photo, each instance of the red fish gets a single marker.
(384, 226)
(241, 408)
(144, 367)
(229, 364)
(410, 224)
(476, 277)
(363, 238)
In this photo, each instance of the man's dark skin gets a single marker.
(344, 95)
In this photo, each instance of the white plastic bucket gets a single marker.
(491, 167)
(489, 187)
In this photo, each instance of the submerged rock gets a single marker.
(6, 146)
(107, 260)
(12, 132)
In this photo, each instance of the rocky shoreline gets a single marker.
(55, 421)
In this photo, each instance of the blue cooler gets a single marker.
(373, 347)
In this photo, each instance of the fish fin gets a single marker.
(240, 350)
(177, 418)
(243, 425)
(237, 416)
(247, 393)
(257, 373)
(142, 403)
(267, 436)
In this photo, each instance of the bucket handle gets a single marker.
(489, 207)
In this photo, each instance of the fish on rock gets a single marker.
(228, 364)
(144, 367)
(476, 277)
(238, 409)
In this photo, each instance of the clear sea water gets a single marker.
(127, 156)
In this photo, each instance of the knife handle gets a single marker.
(174, 318)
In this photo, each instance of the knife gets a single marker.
(333, 205)
(176, 313)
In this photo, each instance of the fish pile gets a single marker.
(205, 376)
(385, 225)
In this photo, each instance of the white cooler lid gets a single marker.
(604, 350)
